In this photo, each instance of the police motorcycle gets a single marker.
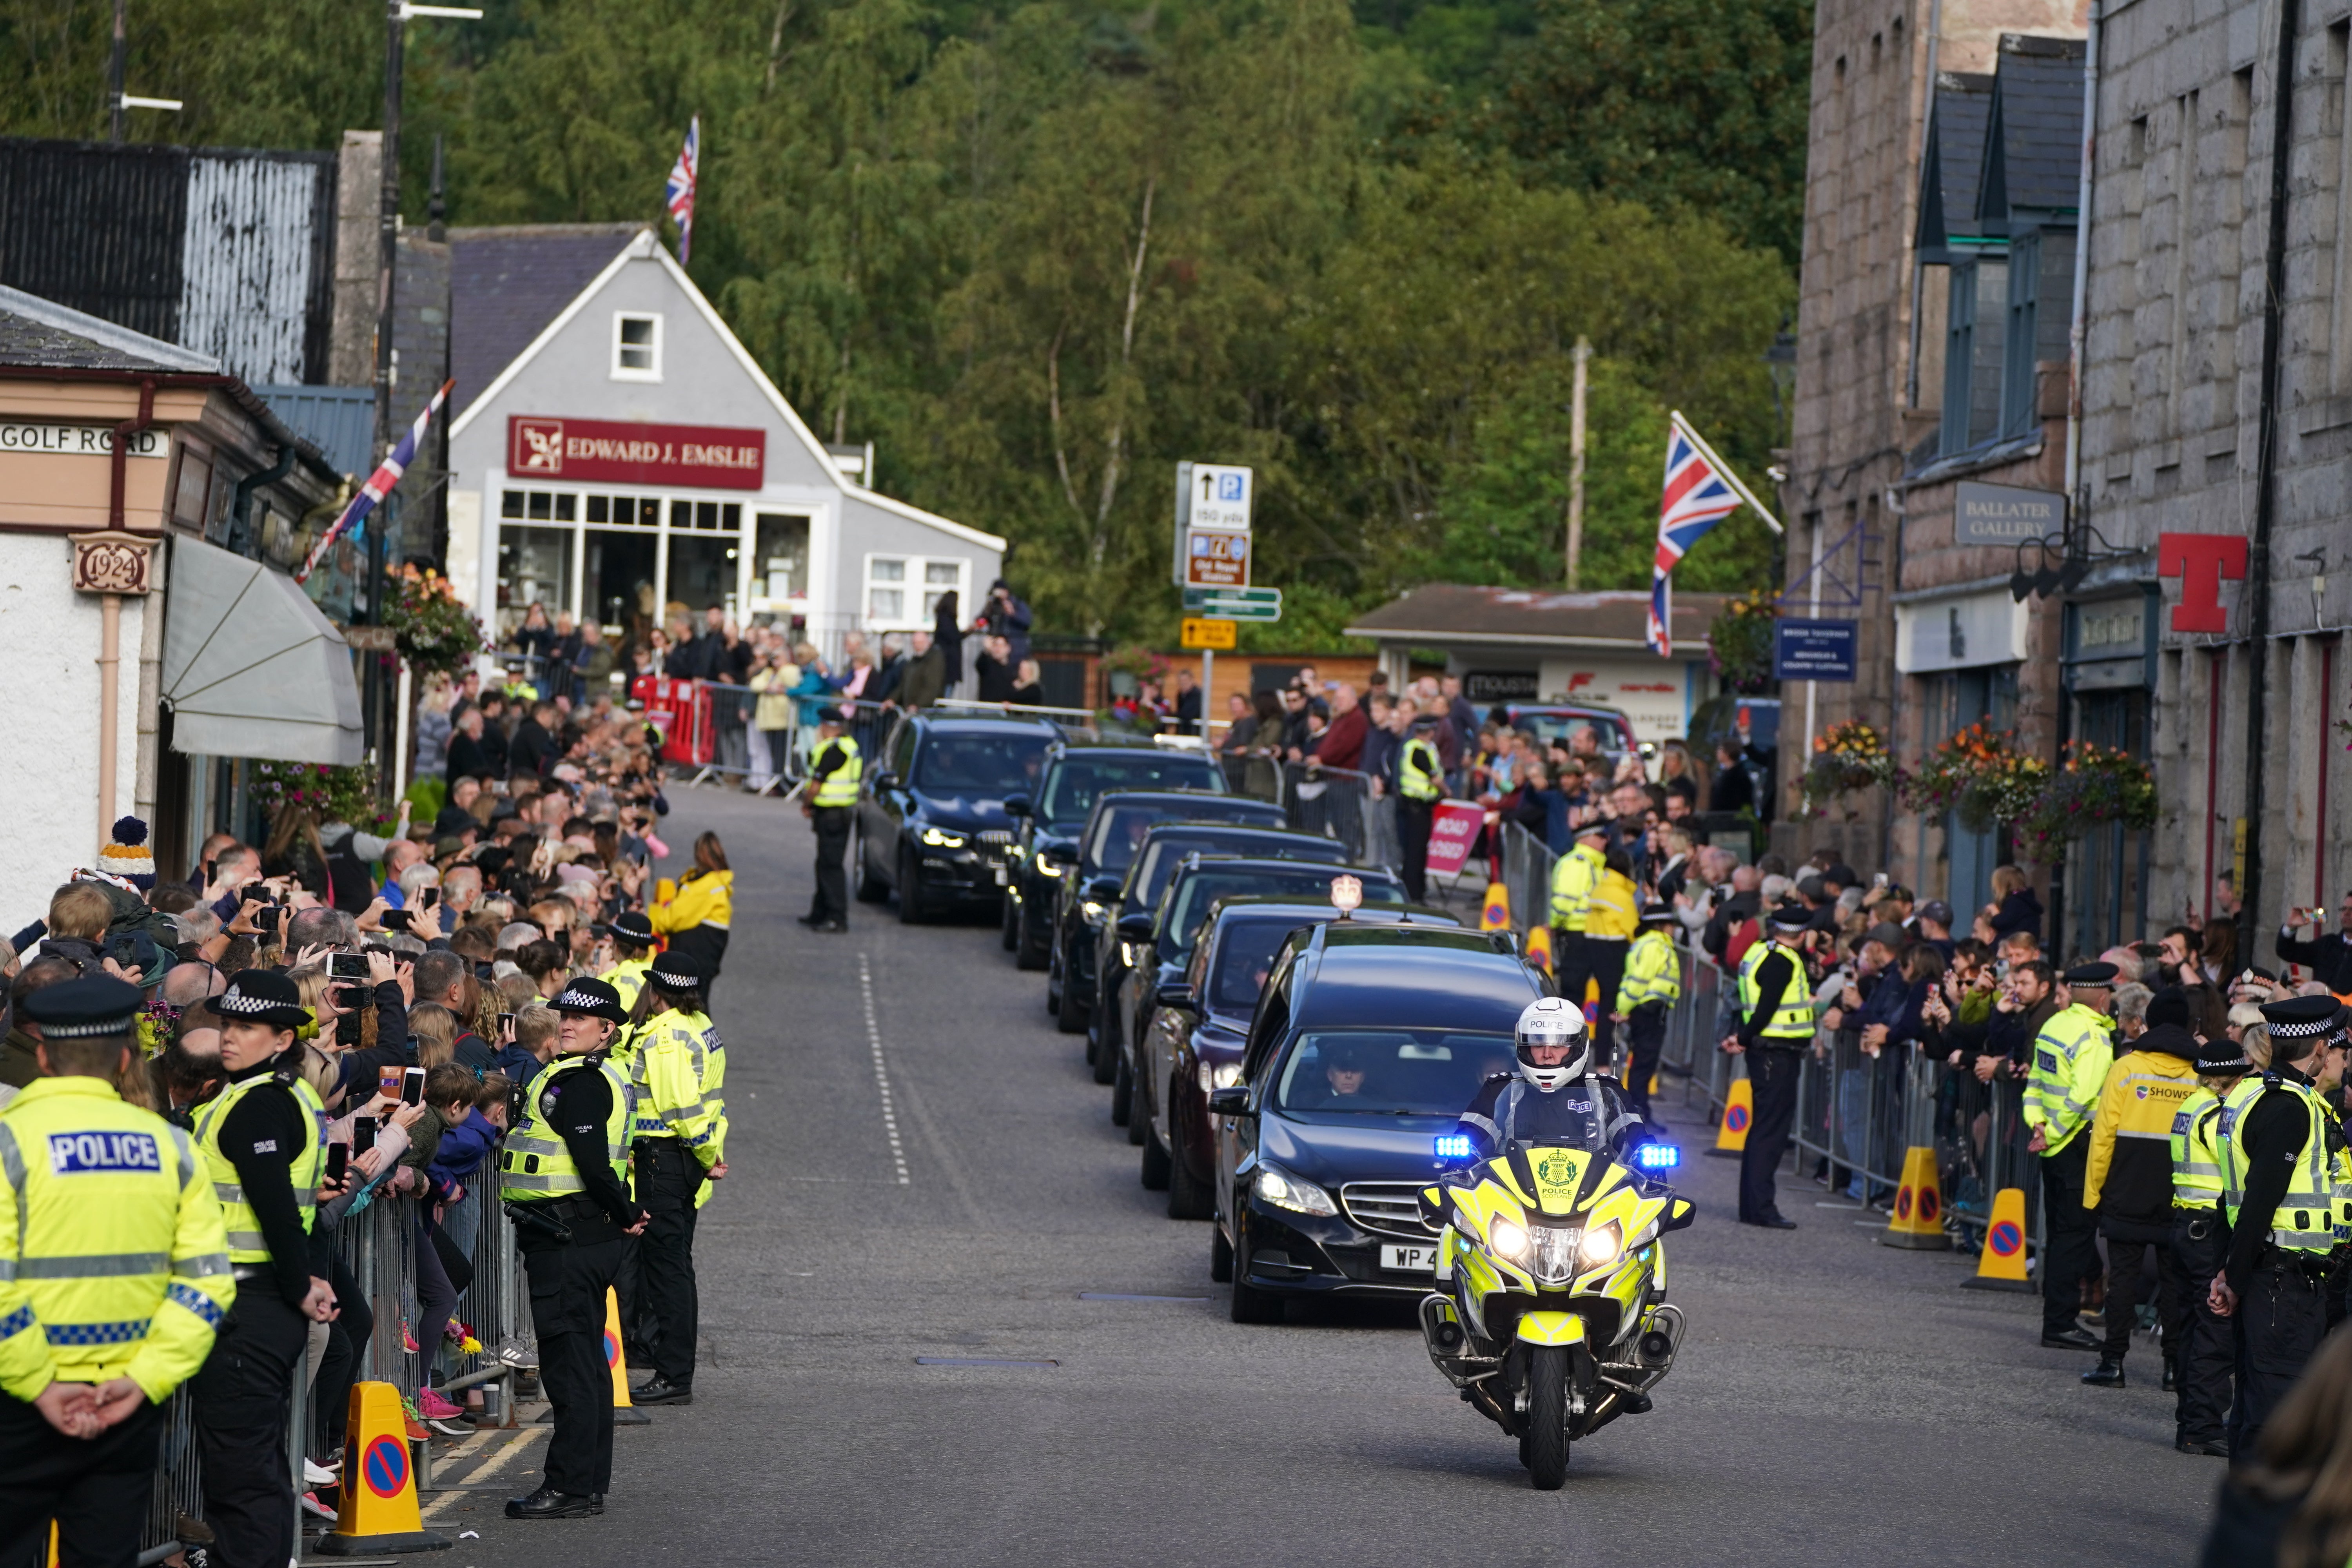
(1551, 1313)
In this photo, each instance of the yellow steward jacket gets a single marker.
(707, 900)
(1612, 912)
(113, 1255)
(2130, 1174)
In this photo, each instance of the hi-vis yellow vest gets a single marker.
(839, 787)
(2305, 1220)
(537, 1163)
(245, 1244)
(1794, 1019)
(1419, 776)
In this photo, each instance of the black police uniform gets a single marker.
(2205, 1362)
(829, 911)
(1773, 1064)
(1588, 1112)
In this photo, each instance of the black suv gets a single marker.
(931, 818)
(1048, 822)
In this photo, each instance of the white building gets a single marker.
(616, 453)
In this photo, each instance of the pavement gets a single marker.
(935, 1175)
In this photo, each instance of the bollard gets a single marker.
(2002, 1265)
(379, 1507)
(1496, 914)
(1539, 947)
(1738, 1110)
(625, 1412)
(1918, 1218)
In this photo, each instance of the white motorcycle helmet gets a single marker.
(1553, 1021)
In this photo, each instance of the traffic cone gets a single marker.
(1539, 947)
(1496, 915)
(379, 1510)
(625, 1412)
(1738, 1110)
(1918, 1219)
(2002, 1265)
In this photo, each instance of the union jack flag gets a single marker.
(379, 485)
(1701, 490)
(680, 194)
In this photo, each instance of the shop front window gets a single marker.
(535, 568)
(780, 562)
(702, 572)
(2106, 877)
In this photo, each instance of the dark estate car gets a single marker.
(1198, 1026)
(1158, 947)
(1089, 956)
(930, 819)
(1050, 823)
(1367, 1043)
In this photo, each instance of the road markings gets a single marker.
(978, 1361)
(483, 1471)
(881, 1072)
(1124, 1296)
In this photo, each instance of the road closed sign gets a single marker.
(1454, 828)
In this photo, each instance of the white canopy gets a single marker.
(251, 668)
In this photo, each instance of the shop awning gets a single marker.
(251, 668)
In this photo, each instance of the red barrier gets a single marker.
(689, 736)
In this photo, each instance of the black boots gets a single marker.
(2108, 1374)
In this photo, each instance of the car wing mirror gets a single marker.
(1229, 1102)
(885, 779)
(1136, 927)
(1104, 888)
(1178, 995)
(1016, 806)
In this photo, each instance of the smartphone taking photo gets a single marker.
(412, 1086)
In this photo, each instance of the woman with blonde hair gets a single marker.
(433, 1028)
(695, 918)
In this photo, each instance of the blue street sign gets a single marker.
(1812, 650)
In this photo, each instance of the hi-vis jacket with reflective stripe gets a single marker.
(1652, 972)
(1793, 1018)
(680, 1073)
(839, 787)
(2305, 1220)
(114, 1259)
(246, 1242)
(2128, 1177)
(628, 978)
(1420, 776)
(536, 1161)
(1573, 876)
(1612, 909)
(2196, 1162)
(2070, 1058)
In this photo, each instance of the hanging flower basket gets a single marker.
(433, 631)
(1847, 758)
(328, 793)
(2095, 786)
(1740, 645)
(1980, 774)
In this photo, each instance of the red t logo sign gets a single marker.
(2201, 560)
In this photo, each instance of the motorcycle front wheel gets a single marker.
(1547, 1418)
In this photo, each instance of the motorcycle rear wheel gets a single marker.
(1546, 1417)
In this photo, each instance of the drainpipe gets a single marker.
(2078, 504)
(118, 475)
(241, 507)
(110, 611)
(2258, 553)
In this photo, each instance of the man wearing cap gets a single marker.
(1777, 1009)
(563, 1175)
(679, 1074)
(835, 769)
(1574, 876)
(2128, 1179)
(116, 1277)
(1935, 925)
(2070, 1062)
(633, 947)
(1652, 983)
(1421, 782)
(2329, 955)
(263, 1139)
(2203, 1366)
(2278, 1146)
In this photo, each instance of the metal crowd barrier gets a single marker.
(718, 735)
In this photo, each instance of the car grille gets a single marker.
(1393, 1207)
(996, 836)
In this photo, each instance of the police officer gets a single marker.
(264, 1140)
(1574, 876)
(632, 951)
(1554, 1093)
(2071, 1057)
(1652, 983)
(563, 1175)
(2204, 1364)
(1421, 781)
(2278, 1147)
(116, 1275)
(680, 1073)
(1777, 1007)
(835, 769)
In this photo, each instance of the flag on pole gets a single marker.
(680, 194)
(379, 485)
(1701, 490)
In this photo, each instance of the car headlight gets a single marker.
(1509, 1238)
(1224, 1075)
(1049, 868)
(1600, 1246)
(1093, 912)
(1282, 1190)
(940, 838)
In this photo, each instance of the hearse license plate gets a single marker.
(1002, 878)
(1409, 1259)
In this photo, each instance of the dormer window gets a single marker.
(636, 347)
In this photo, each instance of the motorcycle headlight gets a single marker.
(1509, 1238)
(1224, 1075)
(1093, 912)
(1600, 1246)
(1282, 1190)
(940, 838)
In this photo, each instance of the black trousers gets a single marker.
(670, 1178)
(567, 1309)
(2126, 1259)
(1772, 1077)
(1604, 960)
(241, 1396)
(1645, 1038)
(2070, 1246)
(96, 1488)
(832, 900)
(1571, 965)
(1412, 840)
(2279, 1322)
(2207, 1361)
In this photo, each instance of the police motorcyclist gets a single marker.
(1553, 1095)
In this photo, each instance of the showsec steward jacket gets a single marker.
(1573, 876)
(2128, 1178)
(706, 900)
(2071, 1057)
(113, 1258)
(1612, 911)
(1652, 973)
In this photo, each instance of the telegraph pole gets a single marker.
(116, 61)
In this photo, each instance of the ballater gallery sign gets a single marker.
(705, 456)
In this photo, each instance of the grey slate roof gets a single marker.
(2033, 147)
(507, 284)
(38, 333)
(1955, 163)
(338, 420)
(1442, 612)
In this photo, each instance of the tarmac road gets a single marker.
(1836, 1401)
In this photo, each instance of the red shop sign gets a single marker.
(705, 456)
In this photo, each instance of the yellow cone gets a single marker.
(613, 1356)
(2002, 1265)
(1496, 915)
(1739, 1112)
(1918, 1218)
(1539, 947)
(379, 1512)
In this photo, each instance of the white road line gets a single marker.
(490, 1467)
(881, 1073)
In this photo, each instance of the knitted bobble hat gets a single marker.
(127, 856)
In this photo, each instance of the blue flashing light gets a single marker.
(1453, 1146)
(1658, 1156)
